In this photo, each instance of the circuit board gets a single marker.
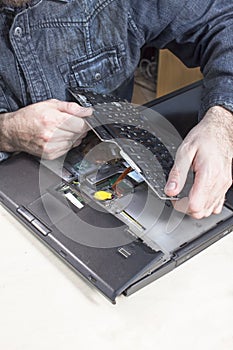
(118, 121)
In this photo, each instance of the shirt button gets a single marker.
(97, 76)
(18, 31)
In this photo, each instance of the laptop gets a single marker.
(99, 213)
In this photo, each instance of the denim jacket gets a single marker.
(50, 45)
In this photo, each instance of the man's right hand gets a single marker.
(47, 129)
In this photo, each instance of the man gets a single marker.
(49, 45)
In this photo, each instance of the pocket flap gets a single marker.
(94, 69)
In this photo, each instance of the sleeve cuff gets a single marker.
(211, 101)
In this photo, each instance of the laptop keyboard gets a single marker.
(118, 121)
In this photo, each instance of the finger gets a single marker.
(208, 210)
(218, 208)
(78, 140)
(73, 124)
(201, 212)
(214, 198)
(73, 108)
(217, 204)
(208, 188)
(222, 183)
(181, 205)
(58, 135)
(53, 150)
(77, 143)
(179, 171)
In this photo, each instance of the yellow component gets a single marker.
(76, 182)
(102, 195)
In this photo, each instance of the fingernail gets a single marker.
(170, 186)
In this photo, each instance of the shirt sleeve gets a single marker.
(199, 32)
(202, 35)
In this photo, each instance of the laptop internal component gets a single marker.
(120, 122)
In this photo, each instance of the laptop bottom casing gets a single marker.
(27, 191)
(106, 268)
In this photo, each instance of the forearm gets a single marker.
(220, 120)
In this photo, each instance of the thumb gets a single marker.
(179, 171)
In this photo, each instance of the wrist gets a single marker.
(219, 115)
(218, 122)
(5, 138)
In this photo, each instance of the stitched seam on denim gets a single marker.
(57, 24)
(106, 76)
(2, 93)
(98, 8)
(70, 23)
(134, 27)
(5, 99)
(118, 47)
(87, 42)
(118, 51)
(34, 56)
(22, 85)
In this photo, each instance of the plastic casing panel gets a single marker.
(105, 268)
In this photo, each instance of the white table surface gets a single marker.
(45, 305)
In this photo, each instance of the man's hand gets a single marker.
(208, 150)
(48, 129)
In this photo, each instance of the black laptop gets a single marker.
(101, 214)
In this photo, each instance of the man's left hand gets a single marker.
(208, 151)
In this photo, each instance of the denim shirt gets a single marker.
(49, 45)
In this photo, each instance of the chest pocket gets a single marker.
(100, 71)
